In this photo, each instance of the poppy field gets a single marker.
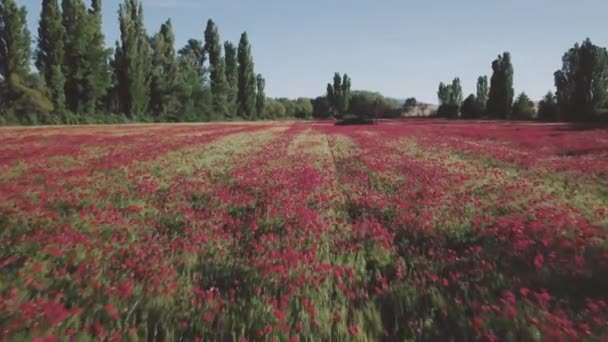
(415, 230)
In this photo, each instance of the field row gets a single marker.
(420, 230)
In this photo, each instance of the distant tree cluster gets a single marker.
(143, 78)
(362, 104)
(450, 99)
(79, 80)
(338, 95)
(582, 83)
(283, 108)
(581, 91)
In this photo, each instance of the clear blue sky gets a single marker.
(398, 47)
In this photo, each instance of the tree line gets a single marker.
(77, 79)
(581, 91)
(143, 78)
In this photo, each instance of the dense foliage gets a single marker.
(523, 107)
(80, 80)
(483, 91)
(144, 79)
(582, 82)
(500, 98)
(450, 99)
(581, 91)
(338, 95)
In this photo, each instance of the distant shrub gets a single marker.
(471, 108)
(351, 119)
(449, 111)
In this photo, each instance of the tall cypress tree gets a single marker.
(216, 64)
(443, 94)
(49, 56)
(500, 99)
(132, 60)
(74, 21)
(338, 94)
(508, 84)
(450, 99)
(231, 76)
(456, 93)
(260, 101)
(482, 92)
(246, 79)
(15, 40)
(345, 101)
(17, 93)
(99, 72)
(87, 76)
(164, 101)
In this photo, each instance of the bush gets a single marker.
(351, 119)
(523, 108)
(548, 109)
(470, 108)
(448, 111)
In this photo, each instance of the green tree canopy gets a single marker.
(450, 98)
(500, 98)
(213, 48)
(15, 41)
(87, 73)
(133, 60)
(582, 82)
(339, 95)
(195, 51)
(482, 92)
(164, 82)
(22, 98)
(260, 102)
(523, 107)
(49, 56)
(246, 80)
(230, 56)
(409, 104)
(471, 108)
(548, 109)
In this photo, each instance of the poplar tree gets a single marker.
(49, 56)
(100, 73)
(450, 98)
(443, 94)
(246, 80)
(194, 50)
(260, 101)
(216, 66)
(87, 76)
(164, 101)
(15, 40)
(345, 100)
(482, 92)
(500, 99)
(132, 60)
(231, 77)
(194, 92)
(21, 98)
(16, 95)
(456, 92)
(338, 94)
